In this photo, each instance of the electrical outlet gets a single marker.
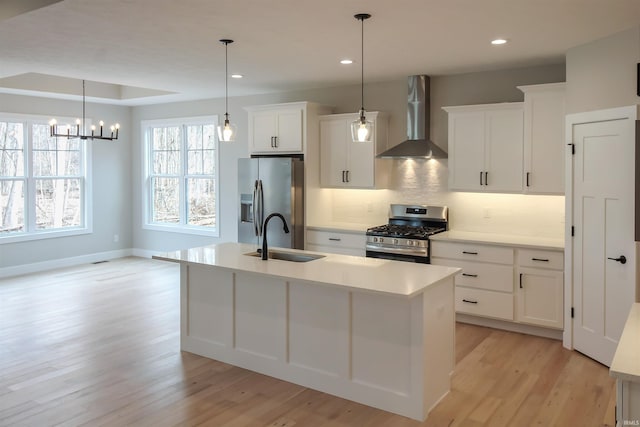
(486, 213)
(369, 207)
(116, 238)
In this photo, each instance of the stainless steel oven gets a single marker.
(406, 236)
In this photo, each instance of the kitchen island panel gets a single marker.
(319, 319)
(260, 315)
(209, 306)
(382, 337)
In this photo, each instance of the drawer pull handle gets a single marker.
(540, 259)
(334, 239)
(469, 301)
(469, 275)
(470, 253)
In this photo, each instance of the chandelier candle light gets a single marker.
(361, 129)
(226, 132)
(53, 127)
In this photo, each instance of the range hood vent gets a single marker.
(417, 144)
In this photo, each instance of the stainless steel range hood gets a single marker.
(417, 144)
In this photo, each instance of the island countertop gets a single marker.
(358, 273)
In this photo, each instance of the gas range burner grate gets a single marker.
(408, 231)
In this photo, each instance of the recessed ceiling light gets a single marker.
(498, 41)
(346, 61)
(236, 76)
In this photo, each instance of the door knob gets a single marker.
(621, 259)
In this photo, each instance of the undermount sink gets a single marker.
(287, 256)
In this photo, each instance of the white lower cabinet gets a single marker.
(519, 285)
(343, 242)
(540, 288)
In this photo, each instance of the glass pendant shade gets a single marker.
(361, 129)
(227, 131)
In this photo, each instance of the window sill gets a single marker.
(40, 235)
(182, 229)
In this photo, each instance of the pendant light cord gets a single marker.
(83, 116)
(362, 64)
(226, 80)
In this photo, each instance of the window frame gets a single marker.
(147, 192)
(31, 232)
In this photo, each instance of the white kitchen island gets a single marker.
(374, 331)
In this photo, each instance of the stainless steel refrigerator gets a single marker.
(268, 185)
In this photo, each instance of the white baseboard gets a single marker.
(145, 253)
(555, 334)
(63, 262)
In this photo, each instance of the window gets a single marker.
(43, 181)
(181, 180)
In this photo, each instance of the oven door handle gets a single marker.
(388, 250)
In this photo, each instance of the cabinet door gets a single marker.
(263, 126)
(333, 151)
(504, 148)
(289, 135)
(544, 148)
(466, 150)
(360, 163)
(540, 297)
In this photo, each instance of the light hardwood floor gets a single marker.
(98, 345)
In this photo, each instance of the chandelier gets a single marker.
(72, 132)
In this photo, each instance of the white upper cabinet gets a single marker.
(348, 164)
(544, 148)
(486, 147)
(277, 128)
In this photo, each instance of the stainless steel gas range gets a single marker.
(406, 236)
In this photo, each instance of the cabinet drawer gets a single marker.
(328, 238)
(484, 303)
(472, 252)
(540, 259)
(482, 276)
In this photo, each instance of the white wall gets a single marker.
(603, 74)
(111, 164)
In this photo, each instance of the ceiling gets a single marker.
(135, 52)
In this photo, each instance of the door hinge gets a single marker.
(573, 148)
(573, 231)
(572, 312)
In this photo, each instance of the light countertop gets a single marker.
(341, 227)
(358, 273)
(547, 243)
(626, 361)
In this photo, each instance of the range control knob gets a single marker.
(409, 242)
(375, 240)
(381, 239)
(395, 241)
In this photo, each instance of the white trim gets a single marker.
(522, 328)
(145, 253)
(621, 113)
(63, 262)
(45, 234)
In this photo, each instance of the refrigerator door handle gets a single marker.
(261, 207)
(253, 207)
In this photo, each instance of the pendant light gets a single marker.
(361, 129)
(72, 133)
(227, 131)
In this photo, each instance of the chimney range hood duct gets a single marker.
(417, 144)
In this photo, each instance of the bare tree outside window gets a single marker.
(42, 179)
(182, 174)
